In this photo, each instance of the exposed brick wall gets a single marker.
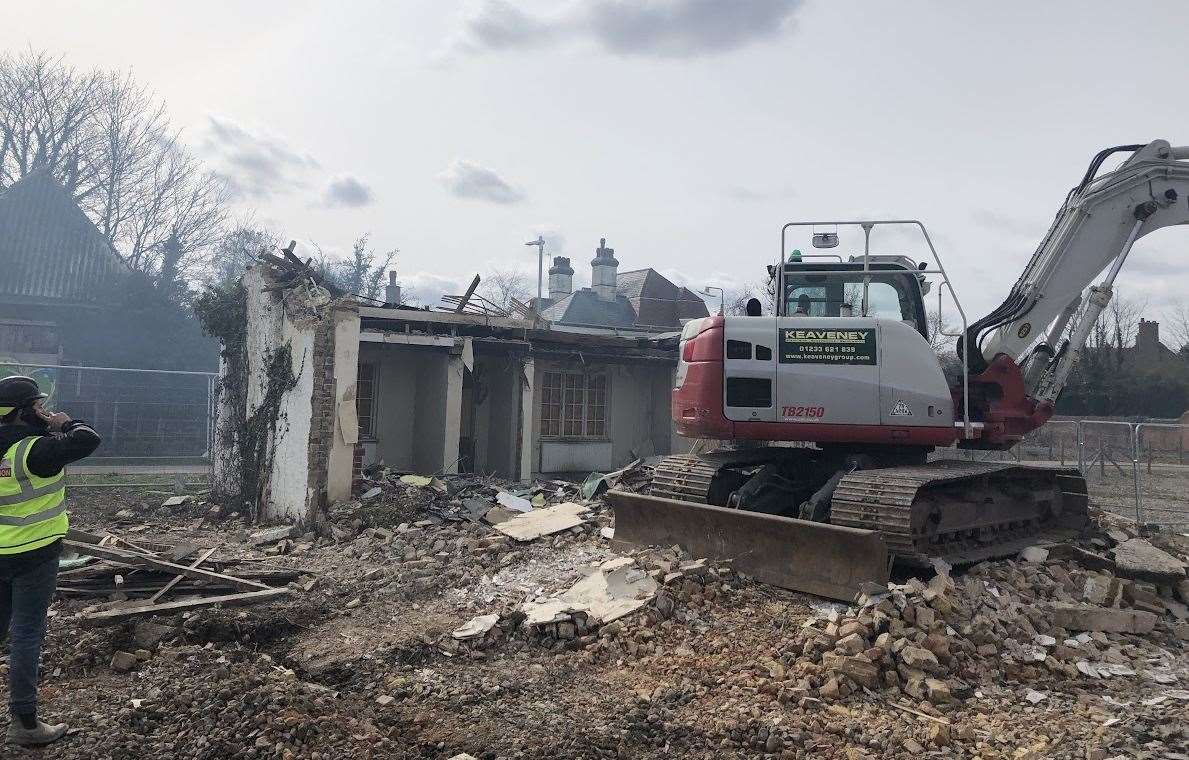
(322, 413)
(357, 469)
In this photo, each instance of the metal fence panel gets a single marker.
(1162, 474)
(1107, 462)
(142, 415)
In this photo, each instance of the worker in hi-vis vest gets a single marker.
(35, 445)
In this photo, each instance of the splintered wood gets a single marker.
(136, 576)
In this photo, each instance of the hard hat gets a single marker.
(17, 391)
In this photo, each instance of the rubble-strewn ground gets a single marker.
(359, 660)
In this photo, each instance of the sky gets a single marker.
(686, 132)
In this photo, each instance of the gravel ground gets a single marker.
(362, 664)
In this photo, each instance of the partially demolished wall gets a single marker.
(285, 425)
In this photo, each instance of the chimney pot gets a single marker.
(392, 289)
(604, 271)
(561, 278)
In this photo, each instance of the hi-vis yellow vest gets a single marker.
(32, 508)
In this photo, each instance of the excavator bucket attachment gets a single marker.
(826, 560)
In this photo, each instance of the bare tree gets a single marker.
(500, 286)
(178, 213)
(47, 111)
(1178, 327)
(107, 140)
(237, 250)
(363, 273)
(939, 341)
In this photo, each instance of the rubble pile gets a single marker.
(1022, 621)
(447, 616)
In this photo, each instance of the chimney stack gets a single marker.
(392, 290)
(1147, 338)
(604, 272)
(561, 278)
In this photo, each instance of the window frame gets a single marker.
(575, 405)
(372, 373)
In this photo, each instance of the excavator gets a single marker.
(825, 415)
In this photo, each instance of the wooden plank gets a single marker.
(462, 303)
(177, 578)
(157, 564)
(109, 617)
(74, 534)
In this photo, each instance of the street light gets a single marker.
(540, 244)
(721, 297)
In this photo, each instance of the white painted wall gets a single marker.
(346, 371)
(290, 498)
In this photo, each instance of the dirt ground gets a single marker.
(362, 665)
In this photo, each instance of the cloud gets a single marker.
(686, 28)
(347, 192)
(658, 28)
(499, 25)
(467, 179)
(256, 166)
(555, 241)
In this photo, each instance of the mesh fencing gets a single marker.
(143, 416)
(1162, 474)
(1137, 470)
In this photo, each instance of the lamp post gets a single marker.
(540, 244)
(722, 297)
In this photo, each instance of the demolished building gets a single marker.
(431, 392)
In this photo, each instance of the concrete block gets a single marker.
(1108, 620)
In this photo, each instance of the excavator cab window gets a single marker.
(894, 293)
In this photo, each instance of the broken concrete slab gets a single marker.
(1108, 620)
(544, 522)
(612, 590)
(1034, 554)
(177, 501)
(417, 481)
(147, 635)
(371, 493)
(497, 515)
(476, 627)
(122, 662)
(1137, 558)
(473, 510)
(271, 535)
(513, 502)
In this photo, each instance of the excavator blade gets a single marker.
(826, 560)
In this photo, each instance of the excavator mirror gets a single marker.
(825, 240)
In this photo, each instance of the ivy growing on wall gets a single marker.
(222, 310)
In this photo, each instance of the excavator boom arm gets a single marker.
(1096, 226)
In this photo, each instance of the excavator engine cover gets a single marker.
(826, 560)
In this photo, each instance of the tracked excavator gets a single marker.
(827, 414)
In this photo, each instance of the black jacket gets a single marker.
(52, 451)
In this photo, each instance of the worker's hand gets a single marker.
(55, 421)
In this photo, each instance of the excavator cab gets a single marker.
(895, 290)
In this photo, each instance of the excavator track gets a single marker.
(962, 512)
(684, 478)
(956, 511)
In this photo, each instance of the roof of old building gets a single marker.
(644, 298)
(584, 307)
(49, 249)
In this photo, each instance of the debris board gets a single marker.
(177, 578)
(108, 617)
(543, 522)
(141, 561)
